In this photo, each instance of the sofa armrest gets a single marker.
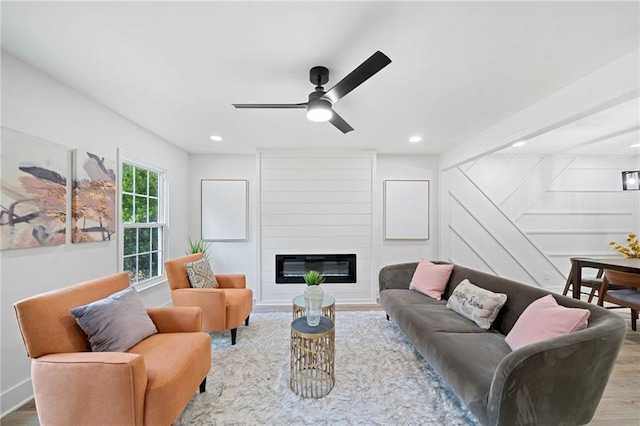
(71, 388)
(557, 381)
(231, 280)
(176, 319)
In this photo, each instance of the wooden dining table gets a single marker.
(616, 263)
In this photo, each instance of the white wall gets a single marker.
(481, 211)
(34, 104)
(405, 167)
(523, 217)
(245, 256)
(226, 256)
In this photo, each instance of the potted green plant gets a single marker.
(313, 278)
(198, 246)
(313, 296)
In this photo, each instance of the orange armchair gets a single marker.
(149, 384)
(223, 308)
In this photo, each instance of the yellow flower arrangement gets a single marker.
(632, 251)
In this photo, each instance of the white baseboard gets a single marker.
(16, 397)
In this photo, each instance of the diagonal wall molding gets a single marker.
(558, 207)
(488, 230)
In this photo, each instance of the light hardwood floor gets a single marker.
(620, 404)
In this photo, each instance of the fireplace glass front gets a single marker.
(337, 268)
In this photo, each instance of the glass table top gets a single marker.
(327, 300)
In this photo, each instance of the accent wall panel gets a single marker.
(548, 209)
(316, 203)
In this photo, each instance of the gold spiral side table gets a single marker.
(312, 358)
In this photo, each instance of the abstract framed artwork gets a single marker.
(93, 201)
(33, 209)
(406, 209)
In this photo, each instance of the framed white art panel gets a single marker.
(224, 209)
(406, 209)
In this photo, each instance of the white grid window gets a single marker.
(142, 213)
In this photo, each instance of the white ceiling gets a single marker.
(457, 68)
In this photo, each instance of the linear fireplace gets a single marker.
(337, 268)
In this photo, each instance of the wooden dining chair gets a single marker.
(592, 283)
(625, 294)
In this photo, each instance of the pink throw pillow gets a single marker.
(431, 279)
(544, 319)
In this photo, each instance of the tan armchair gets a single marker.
(149, 384)
(223, 308)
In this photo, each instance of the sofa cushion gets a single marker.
(431, 279)
(392, 300)
(200, 274)
(176, 364)
(544, 319)
(115, 323)
(421, 320)
(476, 303)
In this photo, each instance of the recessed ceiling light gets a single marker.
(415, 139)
(520, 143)
(216, 138)
(635, 145)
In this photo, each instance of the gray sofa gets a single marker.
(555, 382)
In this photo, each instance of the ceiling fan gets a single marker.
(319, 105)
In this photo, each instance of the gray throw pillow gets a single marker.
(116, 323)
(200, 274)
(477, 304)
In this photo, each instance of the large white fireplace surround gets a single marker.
(316, 203)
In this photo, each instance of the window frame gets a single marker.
(162, 221)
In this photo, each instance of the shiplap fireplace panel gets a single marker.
(316, 203)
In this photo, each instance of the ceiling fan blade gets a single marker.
(339, 122)
(302, 105)
(366, 70)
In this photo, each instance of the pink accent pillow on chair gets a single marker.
(544, 319)
(431, 279)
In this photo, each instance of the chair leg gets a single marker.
(634, 317)
(233, 335)
(593, 292)
(203, 386)
(388, 317)
(246, 321)
(568, 283)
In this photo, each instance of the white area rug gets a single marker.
(380, 379)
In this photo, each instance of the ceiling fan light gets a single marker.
(319, 110)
